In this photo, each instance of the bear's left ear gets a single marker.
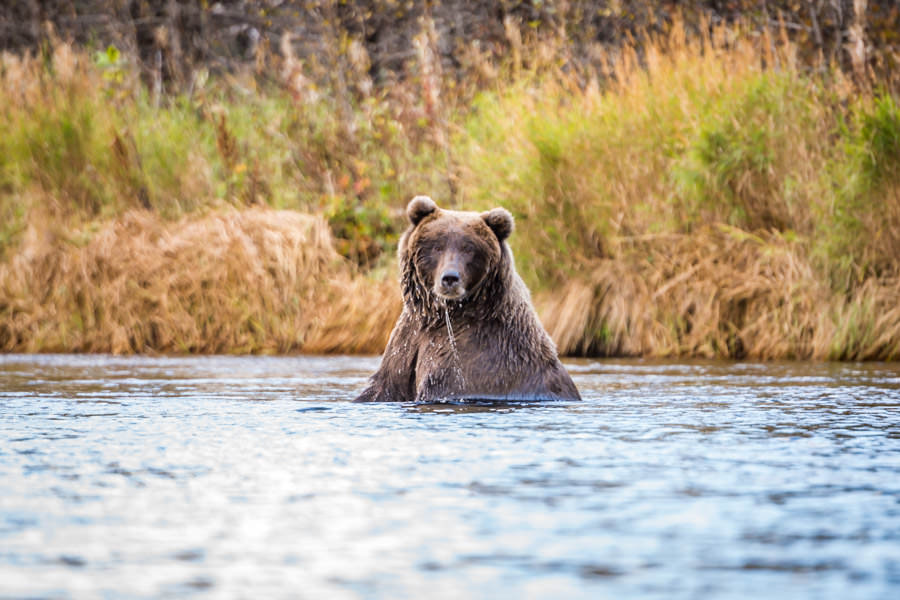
(500, 222)
(419, 208)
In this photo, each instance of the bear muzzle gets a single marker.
(450, 285)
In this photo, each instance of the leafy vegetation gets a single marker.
(699, 195)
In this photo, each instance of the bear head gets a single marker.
(449, 255)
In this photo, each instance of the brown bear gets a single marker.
(467, 330)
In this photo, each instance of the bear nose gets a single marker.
(450, 278)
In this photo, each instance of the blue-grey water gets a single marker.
(256, 477)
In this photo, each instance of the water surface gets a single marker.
(256, 477)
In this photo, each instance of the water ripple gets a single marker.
(256, 477)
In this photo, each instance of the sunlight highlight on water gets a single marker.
(257, 477)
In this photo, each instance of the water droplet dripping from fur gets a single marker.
(457, 364)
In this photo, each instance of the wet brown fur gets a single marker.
(503, 351)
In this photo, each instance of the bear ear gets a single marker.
(500, 222)
(419, 208)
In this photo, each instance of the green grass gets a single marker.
(94, 146)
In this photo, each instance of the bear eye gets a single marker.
(469, 248)
(431, 246)
(438, 245)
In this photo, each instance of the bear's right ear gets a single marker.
(419, 208)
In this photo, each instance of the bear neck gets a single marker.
(485, 302)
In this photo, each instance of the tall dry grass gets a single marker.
(86, 140)
(679, 295)
(709, 197)
(702, 195)
(250, 281)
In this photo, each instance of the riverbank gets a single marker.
(703, 196)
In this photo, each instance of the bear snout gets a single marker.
(449, 278)
(450, 285)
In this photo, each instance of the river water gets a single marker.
(256, 477)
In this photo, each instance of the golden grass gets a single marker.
(699, 202)
(702, 196)
(721, 293)
(254, 281)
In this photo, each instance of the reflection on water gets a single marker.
(256, 477)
